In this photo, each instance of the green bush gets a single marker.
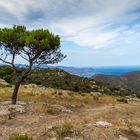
(8, 79)
(64, 130)
(76, 88)
(20, 137)
(122, 99)
(138, 95)
(2, 73)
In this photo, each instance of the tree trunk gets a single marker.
(15, 92)
(18, 81)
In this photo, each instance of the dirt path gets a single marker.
(38, 122)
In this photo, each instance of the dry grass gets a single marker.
(54, 96)
(44, 112)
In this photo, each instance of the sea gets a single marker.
(115, 70)
(107, 70)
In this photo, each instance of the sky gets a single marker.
(93, 32)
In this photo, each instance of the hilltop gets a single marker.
(129, 80)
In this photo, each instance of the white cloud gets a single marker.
(97, 23)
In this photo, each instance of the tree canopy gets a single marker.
(35, 47)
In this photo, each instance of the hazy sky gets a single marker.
(93, 32)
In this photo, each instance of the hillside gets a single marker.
(130, 80)
(56, 78)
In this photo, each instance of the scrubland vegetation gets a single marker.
(51, 113)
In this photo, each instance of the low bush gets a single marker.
(20, 137)
(122, 99)
(64, 130)
(138, 95)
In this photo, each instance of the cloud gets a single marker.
(95, 23)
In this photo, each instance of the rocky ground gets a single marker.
(48, 114)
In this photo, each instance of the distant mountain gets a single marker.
(129, 80)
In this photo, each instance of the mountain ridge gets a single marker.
(130, 80)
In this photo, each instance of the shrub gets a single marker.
(20, 137)
(122, 99)
(54, 93)
(138, 95)
(76, 88)
(2, 73)
(31, 94)
(95, 97)
(64, 130)
(60, 93)
(52, 110)
(8, 79)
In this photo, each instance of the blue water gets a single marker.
(90, 71)
(115, 70)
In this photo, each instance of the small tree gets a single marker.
(35, 47)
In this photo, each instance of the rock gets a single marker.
(4, 112)
(122, 138)
(21, 103)
(103, 124)
(68, 138)
(5, 102)
(3, 82)
(73, 106)
(9, 103)
(53, 138)
(59, 107)
(134, 99)
(66, 110)
(96, 93)
(75, 138)
(89, 125)
(16, 108)
(32, 85)
(50, 127)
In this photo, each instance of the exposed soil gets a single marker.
(123, 117)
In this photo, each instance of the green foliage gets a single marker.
(76, 88)
(60, 93)
(138, 95)
(2, 73)
(122, 99)
(8, 79)
(64, 130)
(5, 70)
(40, 46)
(20, 137)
